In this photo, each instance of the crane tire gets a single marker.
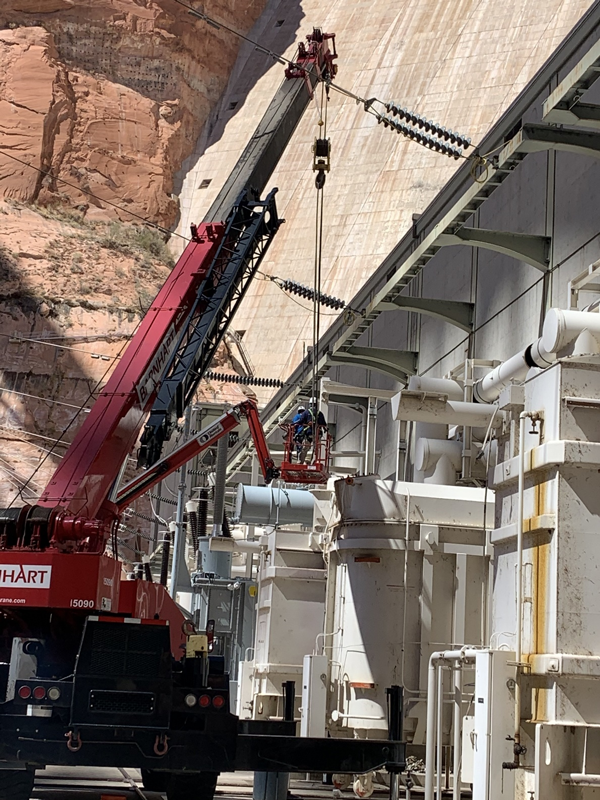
(16, 784)
(192, 785)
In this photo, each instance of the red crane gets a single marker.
(71, 670)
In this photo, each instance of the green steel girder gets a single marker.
(537, 138)
(534, 250)
(452, 311)
(563, 106)
(397, 363)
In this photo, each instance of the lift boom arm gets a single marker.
(176, 340)
(206, 438)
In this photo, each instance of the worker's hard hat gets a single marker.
(301, 408)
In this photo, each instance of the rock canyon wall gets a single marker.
(116, 110)
(100, 103)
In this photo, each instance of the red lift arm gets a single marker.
(207, 437)
(77, 511)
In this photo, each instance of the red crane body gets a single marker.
(81, 485)
(80, 508)
(100, 670)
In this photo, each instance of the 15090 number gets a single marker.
(82, 603)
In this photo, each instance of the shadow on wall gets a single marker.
(42, 387)
(56, 352)
(276, 30)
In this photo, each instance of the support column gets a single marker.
(177, 570)
(370, 436)
(275, 785)
(216, 562)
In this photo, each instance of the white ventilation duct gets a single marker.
(423, 383)
(432, 431)
(435, 407)
(439, 460)
(562, 328)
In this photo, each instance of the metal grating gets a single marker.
(126, 650)
(107, 702)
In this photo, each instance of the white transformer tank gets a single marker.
(407, 571)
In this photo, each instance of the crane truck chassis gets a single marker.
(108, 689)
(96, 670)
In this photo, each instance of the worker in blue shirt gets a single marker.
(297, 427)
(307, 428)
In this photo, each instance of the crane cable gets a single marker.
(319, 183)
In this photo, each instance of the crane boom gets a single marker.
(82, 482)
(206, 438)
(253, 169)
(177, 338)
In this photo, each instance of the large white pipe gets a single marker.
(561, 328)
(424, 407)
(433, 430)
(436, 659)
(226, 544)
(457, 732)
(273, 505)
(423, 383)
(438, 459)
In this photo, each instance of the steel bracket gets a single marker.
(538, 138)
(452, 311)
(534, 250)
(397, 363)
(563, 106)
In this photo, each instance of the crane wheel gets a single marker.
(192, 785)
(16, 784)
(155, 781)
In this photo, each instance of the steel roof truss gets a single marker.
(534, 250)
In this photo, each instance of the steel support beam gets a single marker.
(586, 115)
(397, 363)
(563, 106)
(452, 311)
(534, 250)
(343, 393)
(537, 138)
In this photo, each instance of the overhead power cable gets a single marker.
(96, 197)
(412, 117)
(79, 411)
(23, 340)
(42, 399)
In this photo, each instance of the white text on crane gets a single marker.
(25, 576)
(153, 375)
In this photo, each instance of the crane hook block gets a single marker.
(322, 155)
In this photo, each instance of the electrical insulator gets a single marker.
(309, 294)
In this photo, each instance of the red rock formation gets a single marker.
(110, 96)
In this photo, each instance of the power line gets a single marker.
(14, 431)
(96, 197)
(446, 138)
(22, 340)
(69, 425)
(37, 397)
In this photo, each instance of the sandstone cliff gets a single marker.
(109, 97)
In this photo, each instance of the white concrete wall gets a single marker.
(461, 63)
